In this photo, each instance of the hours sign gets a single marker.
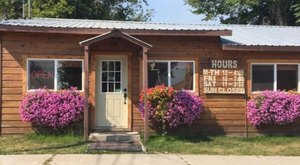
(223, 77)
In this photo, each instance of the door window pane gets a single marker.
(41, 74)
(111, 76)
(118, 76)
(118, 66)
(69, 74)
(182, 75)
(262, 77)
(157, 73)
(104, 87)
(111, 66)
(104, 65)
(287, 77)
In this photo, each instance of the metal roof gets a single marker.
(262, 35)
(105, 24)
(247, 35)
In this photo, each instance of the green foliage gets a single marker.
(80, 9)
(10, 9)
(273, 12)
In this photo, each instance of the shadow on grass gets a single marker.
(31, 150)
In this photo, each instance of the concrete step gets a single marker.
(117, 146)
(115, 137)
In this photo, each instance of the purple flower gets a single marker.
(168, 109)
(273, 108)
(52, 109)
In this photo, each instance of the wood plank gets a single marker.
(15, 130)
(10, 104)
(10, 110)
(12, 77)
(12, 64)
(12, 97)
(12, 84)
(11, 117)
(10, 71)
(225, 105)
(14, 124)
(12, 91)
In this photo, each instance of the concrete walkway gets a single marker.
(145, 159)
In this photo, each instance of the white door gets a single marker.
(111, 94)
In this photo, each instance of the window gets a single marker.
(69, 74)
(179, 75)
(55, 74)
(111, 76)
(275, 77)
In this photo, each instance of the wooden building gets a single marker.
(110, 62)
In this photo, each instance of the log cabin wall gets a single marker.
(224, 113)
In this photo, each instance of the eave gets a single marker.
(263, 48)
(96, 31)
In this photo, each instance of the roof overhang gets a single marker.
(263, 48)
(115, 34)
(95, 31)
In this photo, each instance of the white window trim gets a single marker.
(169, 70)
(275, 75)
(55, 70)
(121, 77)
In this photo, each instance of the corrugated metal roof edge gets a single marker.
(120, 28)
(158, 23)
(261, 45)
(232, 43)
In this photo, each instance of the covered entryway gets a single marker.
(116, 65)
(111, 92)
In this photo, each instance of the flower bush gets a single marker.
(273, 108)
(169, 108)
(53, 110)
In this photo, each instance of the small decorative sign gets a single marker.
(223, 77)
(42, 74)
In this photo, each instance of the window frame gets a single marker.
(274, 74)
(121, 76)
(55, 72)
(169, 70)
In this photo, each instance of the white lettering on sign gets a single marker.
(224, 64)
(223, 81)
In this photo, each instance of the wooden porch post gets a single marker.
(145, 86)
(86, 93)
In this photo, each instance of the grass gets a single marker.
(219, 145)
(222, 145)
(42, 144)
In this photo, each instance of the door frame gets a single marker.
(97, 59)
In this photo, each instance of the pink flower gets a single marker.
(52, 109)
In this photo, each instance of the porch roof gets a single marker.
(115, 33)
